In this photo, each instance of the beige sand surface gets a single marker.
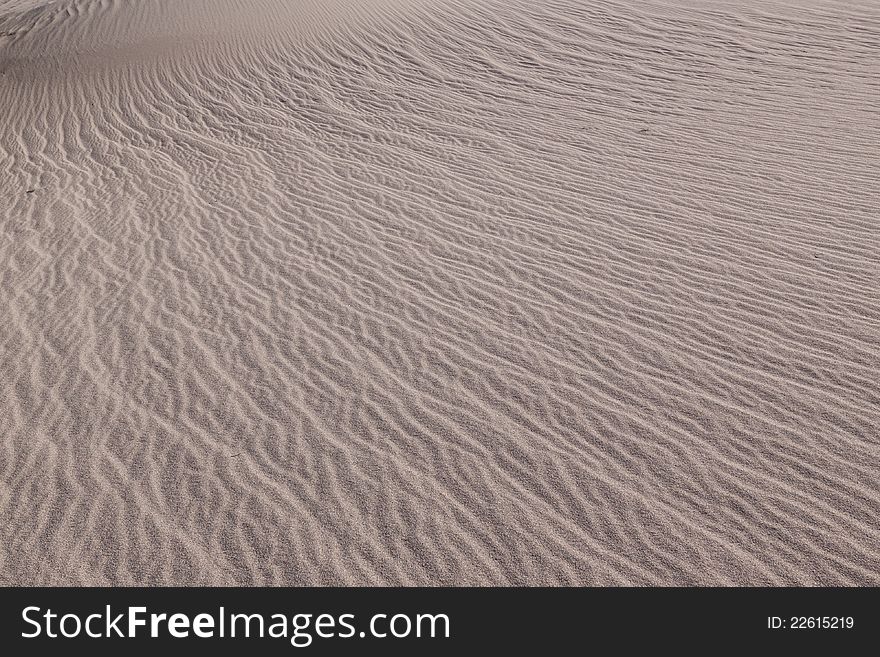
(459, 291)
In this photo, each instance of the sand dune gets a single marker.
(448, 292)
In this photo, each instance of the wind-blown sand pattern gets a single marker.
(447, 292)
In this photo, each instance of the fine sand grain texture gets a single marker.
(439, 292)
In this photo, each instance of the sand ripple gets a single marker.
(472, 292)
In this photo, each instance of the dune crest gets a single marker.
(469, 292)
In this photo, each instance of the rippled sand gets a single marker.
(459, 291)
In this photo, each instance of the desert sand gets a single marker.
(439, 292)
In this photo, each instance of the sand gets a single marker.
(450, 292)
